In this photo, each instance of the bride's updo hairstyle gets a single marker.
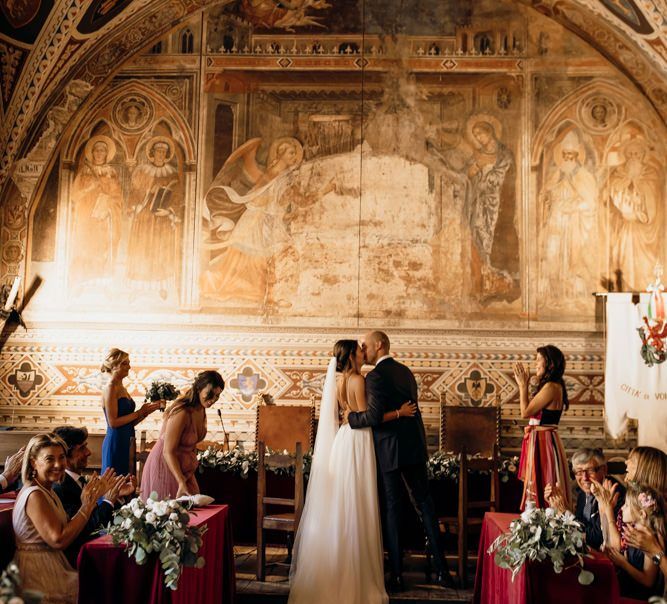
(115, 357)
(344, 351)
(190, 398)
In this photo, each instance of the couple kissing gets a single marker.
(370, 441)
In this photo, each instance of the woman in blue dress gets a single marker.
(119, 410)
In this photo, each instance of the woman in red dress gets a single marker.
(543, 459)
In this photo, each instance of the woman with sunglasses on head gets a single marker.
(171, 464)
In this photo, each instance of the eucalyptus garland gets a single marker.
(441, 465)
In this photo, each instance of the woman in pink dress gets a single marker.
(171, 464)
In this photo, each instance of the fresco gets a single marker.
(429, 178)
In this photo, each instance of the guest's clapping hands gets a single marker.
(554, 496)
(408, 409)
(521, 375)
(615, 556)
(605, 492)
(112, 494)
(642, 538)
(93, 490)
(13, 466)
(129, 487)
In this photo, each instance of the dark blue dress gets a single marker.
(116, 445)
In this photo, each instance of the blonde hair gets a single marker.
(651, 468)
(115, 357)
(35, 445)
(642, 498)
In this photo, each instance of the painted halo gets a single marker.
(160, 139)
(475, 119)
(273, 149)
(99, 138)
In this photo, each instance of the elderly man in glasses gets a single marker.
(588, 465)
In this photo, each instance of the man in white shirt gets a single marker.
(69, 490)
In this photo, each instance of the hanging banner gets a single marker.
(635, 371)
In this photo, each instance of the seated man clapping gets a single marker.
(69, 490)
(589, 467)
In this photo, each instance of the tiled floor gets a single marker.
(276, 587)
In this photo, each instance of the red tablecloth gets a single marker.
(108, 576)
(537, 582)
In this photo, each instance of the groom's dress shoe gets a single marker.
(444, 579)
(395, 585)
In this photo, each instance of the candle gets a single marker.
(12, 294)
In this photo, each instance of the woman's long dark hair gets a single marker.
(190, 398)
(554, 370)
(344, 351)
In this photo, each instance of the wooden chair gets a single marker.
(280, 427)
(138, 458)
(464, 431)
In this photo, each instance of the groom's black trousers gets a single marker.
(415, 479)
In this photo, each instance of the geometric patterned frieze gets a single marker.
(290, 365)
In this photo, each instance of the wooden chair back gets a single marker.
(285, 521)
(465, 505)
(280, 427)
(477, 429)
(139, 456)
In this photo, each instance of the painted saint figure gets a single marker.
(96, 209)
(636, 219)
(156, 200)
(487, 171)
(569, 226)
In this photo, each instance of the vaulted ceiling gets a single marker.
(56, 53)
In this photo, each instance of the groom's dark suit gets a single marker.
(69, 493)
(400, 448)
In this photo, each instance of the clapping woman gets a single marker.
(40, 523)
(543, 459)
(171, 464)
(119, 410)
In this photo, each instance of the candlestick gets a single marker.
(12, 294)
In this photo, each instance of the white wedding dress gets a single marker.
(338, 556)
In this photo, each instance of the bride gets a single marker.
(338, 554)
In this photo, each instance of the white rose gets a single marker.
(173, 516)
(160, 508)
(127, 523)
(138, 513)
(150, 517)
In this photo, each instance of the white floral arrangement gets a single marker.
(159, 527)
(446, 464)
(538, 535)
(241, 462)
(11, 591)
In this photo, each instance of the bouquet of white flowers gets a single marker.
(540, 534)
(160, 527)
(161, 391)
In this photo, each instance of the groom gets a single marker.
(400, 448)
